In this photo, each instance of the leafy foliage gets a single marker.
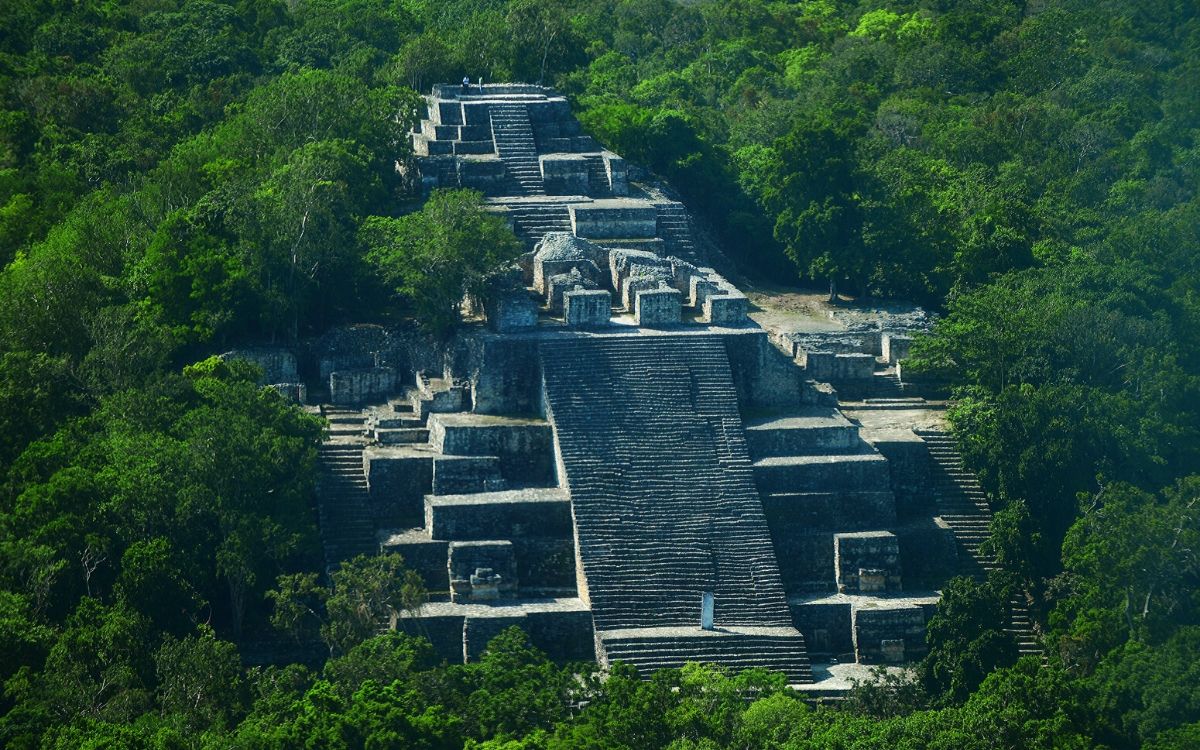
(181, 176)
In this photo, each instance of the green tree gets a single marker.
(445, 252)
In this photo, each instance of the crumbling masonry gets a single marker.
(621, 441)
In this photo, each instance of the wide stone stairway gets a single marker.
(664, 503)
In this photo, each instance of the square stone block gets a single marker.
(726, 309)
(867, 561)
(895, 347)
(889, 634)
(587, 308)
(482, 571)
(658, 307)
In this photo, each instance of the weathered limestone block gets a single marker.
(512, 514)
(867, 561)
(478, 631)
(508, 378)
(481, 172)
(482, 571)
(525, 447)
(553, 109)
(682, 274)
(511, 311)
(805, 558)
(440, 132)
(477, 113)
(277, 365)
(558, 252)
(546, 565)
(360, 386)
(826, 626)
(454, 475)
(398, 479)
(827, 366)
(909, 469)
(446, 112)
(889, 634)
(658, 307)
(564, 174)
(726, 309)
(424, 555)
(798, 512)
(621, 262)
(618, 173)
(857, 472)
(582, 276)
(587, 308)
(701, 288)
(296, 393)
(895, 347)
(640, 279)
(565, 634)
(618, 217)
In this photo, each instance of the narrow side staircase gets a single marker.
(963, 505)
(675, 230)
(343, 507)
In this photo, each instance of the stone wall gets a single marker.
(614, 218)
(350, 387)
(564, 174)
(826, 626)
(908, 468)
(525, 448)
(277, 365)
(587, 308)
(889, 635)
(929, 552)
(658, 308)
(831, 366)
(867, 561)
(398, 479)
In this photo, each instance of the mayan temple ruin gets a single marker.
(621, 460)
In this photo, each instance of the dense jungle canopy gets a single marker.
(182, 176)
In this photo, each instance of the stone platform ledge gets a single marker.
(821, 458)
(418, 535)
(689, 631)
(898, 600)
(406, 450)
(535, 200)
(799, 419)
(527, 495)
(930, 415)
(835, 679)
(472, 419)
(621, 326)
(501, 608)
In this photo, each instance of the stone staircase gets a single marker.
(513, 134)
(343, 507)
(963, 505)
(598, 186)
(887, 385)
(663, 496)
(673, 227)
(532, 221)
(651, 649)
